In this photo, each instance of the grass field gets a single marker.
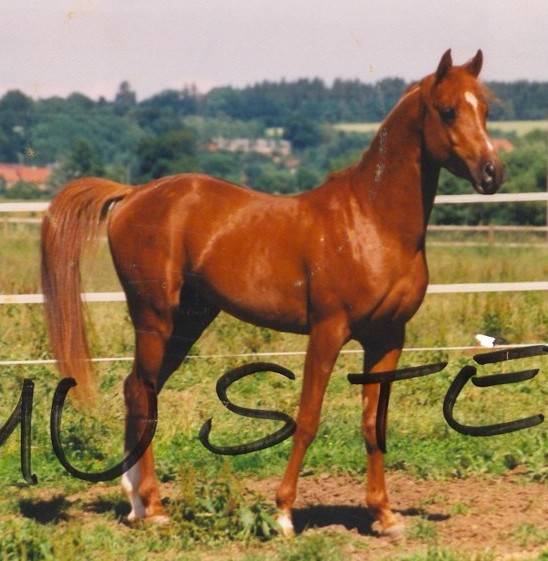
(215, 514)
(519, 127)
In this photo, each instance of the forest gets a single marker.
(175, 131)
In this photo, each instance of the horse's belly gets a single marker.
(263, 305)
(267, 292)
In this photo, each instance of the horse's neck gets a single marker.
(396, 181)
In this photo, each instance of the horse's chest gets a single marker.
(390, 288)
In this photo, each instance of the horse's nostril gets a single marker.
(489, 169)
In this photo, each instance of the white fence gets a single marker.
(439, 200)
(456, 288)
(482, 228)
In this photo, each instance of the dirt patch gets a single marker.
(502, 514)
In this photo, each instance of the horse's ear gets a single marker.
(474, 66)
(445, 64)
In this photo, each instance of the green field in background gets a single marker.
(519, 127)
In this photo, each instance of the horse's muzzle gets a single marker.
(489, 177)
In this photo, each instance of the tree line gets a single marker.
(50, 125)
(135, 141)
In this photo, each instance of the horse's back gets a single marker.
(245, 249)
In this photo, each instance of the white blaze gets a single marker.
(473, 101)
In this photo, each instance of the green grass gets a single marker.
(212, 516)
(362, 128)
(419, 439)
(531, 535)
(423, 530)
(519, 127)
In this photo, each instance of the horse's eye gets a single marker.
(448, 114)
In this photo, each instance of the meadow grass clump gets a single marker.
(423, 530)
(217, 508)
(528, 535)
(435, 553)
(314, 547)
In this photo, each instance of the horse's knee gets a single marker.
(137, 392)
(305, 433)
(369, 430)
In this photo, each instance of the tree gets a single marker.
(221, 164)
(82, 161)
(24, 190)
(16, 112)
(125, 99)
(172, 152)
(302, 132)
(307, 178)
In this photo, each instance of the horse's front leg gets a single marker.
(381, 355)
(326, 339)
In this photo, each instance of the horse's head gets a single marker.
(456, 108)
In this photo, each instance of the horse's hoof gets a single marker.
(395, 530)
(286, 525)
(160, 519)
(131, 518)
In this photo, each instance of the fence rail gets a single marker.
(439, 200)
(485, 228)
(539, 196)
(490, 228)
(474, 348)
(456, 288)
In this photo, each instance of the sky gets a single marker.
(55, 47)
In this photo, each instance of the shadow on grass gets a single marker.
(118, 506)
(432, 517)
(350, 517)
(45, 511)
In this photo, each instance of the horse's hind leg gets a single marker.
(164, 335)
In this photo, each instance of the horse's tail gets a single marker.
(73, 219)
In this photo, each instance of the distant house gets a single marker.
(13, 173)
(502, 145)
(265, 146)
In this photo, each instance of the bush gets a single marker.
(24, 190)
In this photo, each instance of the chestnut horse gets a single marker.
(343, 261)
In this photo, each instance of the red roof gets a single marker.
(502, 145)
(17, 172)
